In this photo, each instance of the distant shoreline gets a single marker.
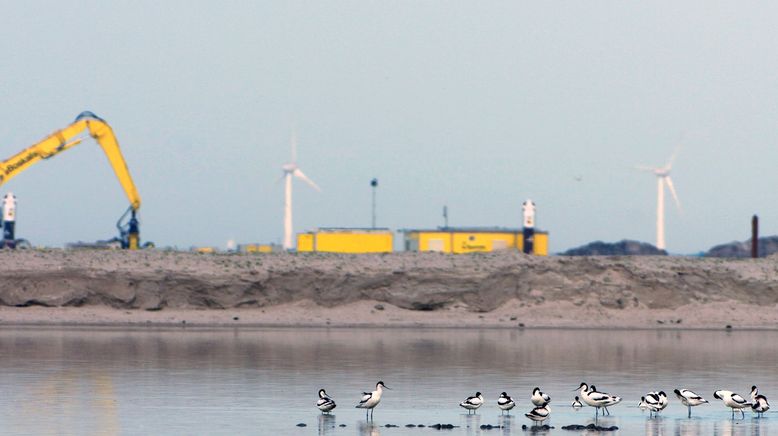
(399, 290)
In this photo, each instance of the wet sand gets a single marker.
(497, 290)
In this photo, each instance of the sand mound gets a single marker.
(155, 280)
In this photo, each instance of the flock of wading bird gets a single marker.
(654, 402)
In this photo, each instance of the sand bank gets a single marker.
(400, 289)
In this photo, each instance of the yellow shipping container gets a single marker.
(346, 241)
(255, 248)
(472, 240)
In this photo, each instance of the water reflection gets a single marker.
(66, 399)
(656, 426)
(368, 428)
(688, 427)
(506, 422)
(226, 382)
(326, 424)
(471, 423)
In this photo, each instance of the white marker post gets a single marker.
(529, 226)
(9, 220)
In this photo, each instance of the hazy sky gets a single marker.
(474, 105)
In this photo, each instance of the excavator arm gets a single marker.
(68, 137)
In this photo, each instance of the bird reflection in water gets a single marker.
(471, 423)
(752, 427)
(656, 427)
(368, 428)
(506, 422)
(687, 427)
(326, 424)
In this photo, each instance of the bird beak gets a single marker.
(387, 387)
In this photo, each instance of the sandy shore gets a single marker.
(713, 316)
(499, 290)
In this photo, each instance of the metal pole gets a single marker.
(374, 185)
(445, 216)
(755, 237)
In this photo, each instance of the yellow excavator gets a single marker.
(61, 140)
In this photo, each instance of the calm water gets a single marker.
(264, 381)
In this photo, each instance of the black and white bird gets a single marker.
(539, 399)
(505, 403)
(577, 403)
(759, 403)
(325, 403)
(610, 402)
(539, 414)
(662, 400)
(654, 402)
(754, 392)
(732, 400)
(689, 399)
(473, 403)
(596, 399)
(371, 399)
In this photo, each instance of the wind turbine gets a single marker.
(663, 179)
(291, 169)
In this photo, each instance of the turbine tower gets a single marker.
(291, 169)
(663, 179)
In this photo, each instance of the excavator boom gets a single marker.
(68, 137)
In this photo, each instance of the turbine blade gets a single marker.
(669, 164)
(299, 174)
(670, 186)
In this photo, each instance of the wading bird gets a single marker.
(759, 403)
(732, 400)
(539, 414)
(689, 399)
(539, 399)
(505, 403)
(325, 403)
(473, 403)
(595, 399)
(371, 399)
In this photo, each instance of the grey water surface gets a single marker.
(100, 381)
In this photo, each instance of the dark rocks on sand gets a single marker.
(342, 425)
(410, 425)
(489, 426)
(579, 427)
(391, 426)
(302, 424)
(534, 428)
(442, 426)
(378, 307)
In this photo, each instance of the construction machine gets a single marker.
(61, 140)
